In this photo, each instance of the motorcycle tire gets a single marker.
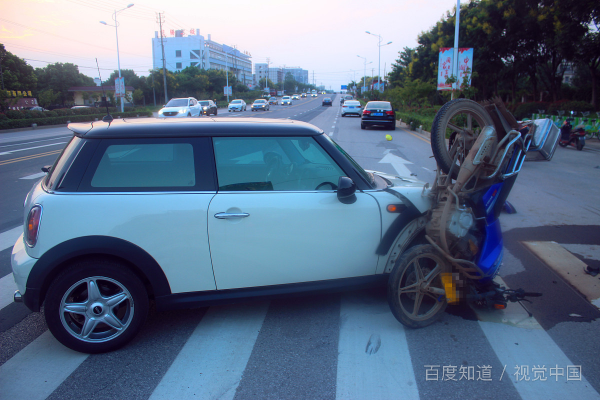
(416, 270)
(563, 144)
(579, 145)
(446, 123)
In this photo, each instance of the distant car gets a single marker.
(345, 97)
(303, 94)
(237, 105)
(181, 108)
(378, 113)
(327, 101)
(35, 108)
(273, 101)
(208, 107)
(295, 97)
(260, 104)
(351, 107)
(323, 92)
(79, 107)
(286, 101)
(313, 95)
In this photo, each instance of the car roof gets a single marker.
(169, 128)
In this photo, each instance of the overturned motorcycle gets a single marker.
(464, 248)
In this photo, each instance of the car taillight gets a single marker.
(389, 113)
(366, 112)
(33, 225)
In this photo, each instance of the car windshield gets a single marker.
(177, 103)
(352, 103)
(367, 175)
(259, 101)
(286, 97)
(236, 101)
(326, 99)
(203, 103)
(379, 105)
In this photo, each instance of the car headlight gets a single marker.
(205, 108)
(182, 111)
(160, 112)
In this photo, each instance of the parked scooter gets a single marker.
(574, 137)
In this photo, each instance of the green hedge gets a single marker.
(26, 123)
(408, 117)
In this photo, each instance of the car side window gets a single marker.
(274, 164)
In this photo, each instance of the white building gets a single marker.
(182, 51)
(277, 75)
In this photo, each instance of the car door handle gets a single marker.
(223, 215)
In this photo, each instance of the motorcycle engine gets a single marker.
(460, 222)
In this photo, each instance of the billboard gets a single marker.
(465, 66)
(120, 87)
(344, 87)
(227, 90)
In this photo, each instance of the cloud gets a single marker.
(8, 34)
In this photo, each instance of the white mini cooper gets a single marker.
(188, 213)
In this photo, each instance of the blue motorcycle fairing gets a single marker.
(492, 251)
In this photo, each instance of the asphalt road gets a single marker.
(344, 346)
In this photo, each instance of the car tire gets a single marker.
(189, 114)
(229, 110)
(114, 312)
(392, 128)
(362, 126)
(216, 112)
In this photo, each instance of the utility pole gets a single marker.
(160, 21)
(153, 92)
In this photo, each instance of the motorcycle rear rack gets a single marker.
(521, 143)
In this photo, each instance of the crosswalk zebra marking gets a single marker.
(374, 361)
(37, 370)
(211, 363)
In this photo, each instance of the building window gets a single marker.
(177, 53)
(178, 65)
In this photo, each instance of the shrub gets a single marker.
(15, 114)
(25, 123)
(63, 111)
(3, 117)
(525, 110)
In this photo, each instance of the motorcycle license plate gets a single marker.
(378, 114)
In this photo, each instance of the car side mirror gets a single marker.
(46, 168)
(346, 190)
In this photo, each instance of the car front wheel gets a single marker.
(96, 305)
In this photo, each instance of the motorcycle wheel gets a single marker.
(579, 145)
(411, 286)
(563, 144)
(463, 119)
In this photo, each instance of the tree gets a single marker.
(131, 78)
(60, 77)
(16, 73)
(270, 84)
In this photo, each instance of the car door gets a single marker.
(276, 218)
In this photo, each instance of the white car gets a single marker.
(237, 105)
(286, 101)
(351, 107)
(188, 213)
(181, 108)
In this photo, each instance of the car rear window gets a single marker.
(63, 163)
(379, 105)
(203, 103)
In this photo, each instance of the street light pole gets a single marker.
(380, 46)
(116, 25)
(365, 75)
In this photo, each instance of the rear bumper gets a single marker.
(22, 264)
(385, 122)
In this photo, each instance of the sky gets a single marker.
(324, 37)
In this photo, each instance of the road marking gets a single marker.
(568, 266)
(34, 176)
(35, 141)
(7, 290)
(37, 370)
(398, 163)
(427, 169)
(25, 158)
(533, 348)
(8, 238)
(212, 361)
(374, 360)
(330, 134)
(31, 148)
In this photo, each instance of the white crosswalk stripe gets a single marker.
(37, 370)
(213, 360)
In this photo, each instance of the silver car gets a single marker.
(237, 105)
(181, 108)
